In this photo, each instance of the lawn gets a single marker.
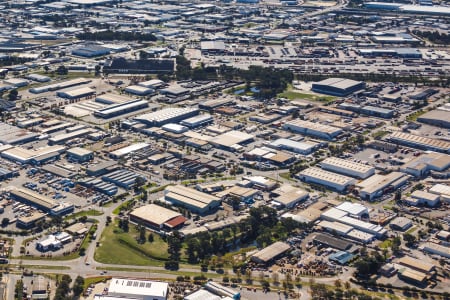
(94, 280)
(293, 95)
(386, 244)
(117, 210)
(127, 251)
(87, 213)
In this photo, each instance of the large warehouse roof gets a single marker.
(129, 149)
(326, 176)
(420, 141)
(346, 164)
(231, 138)
(340, 83)
(270, 252)
(34, 197)
(314, 126)
(155, 214)
(378, 182)
(166, 115)
(190, 196)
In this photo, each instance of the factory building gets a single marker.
(143, 66)
(436, 249)
(65, 137)
(195, 201)
(338, 86)
(27, 222)
(124, 178)
(270, 253)
(59, 85)
(302, 147)
(38, 78)
(157, 217)
(422, 165)
(128, 150)
(76, 93)
(410, 53)
(110, 98)
(420, 142)
(347, 167)
(90, 50)
(33, 156)
(123, 288)
(118, 109)
(442, 190)
(197, 121)
(174, 128)
(289, 196)
(400, 224)
(329, 241)
(436, 117)
(100, 186)
(329, 179)
(80, 154)
(139, 90)
(313, 129)
(166, 115)
(152, 84)
(354, 210)
(14, 135)
(41, 202)
(376, 185)
(376, 111)
(231, 140)
(423, 198)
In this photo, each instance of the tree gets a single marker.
(141, 234)
(13, 95)
(150, 237)
(78, 286)
(62, 70)
(396, 243)
(5, 222)
(409, 239)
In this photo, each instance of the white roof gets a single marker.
(346, 164)
(352, 208)
(321, 174)
(231, 138)
(120, 286)
(334, 214)
(129, 149)
(440, 189)
(155, 213)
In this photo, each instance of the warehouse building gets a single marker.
(422, 165)
(27, 222)
(118, 109)
(33, 156)
(139, 90)
(225, 292)
(355, 210)
(400, 224)
(313, 129)
(197, 121)
(76, 93)
(65, 137)
(196, 201)
(38, 78)
(124, 178)
(376, 185)
(420, 142)
(110, 98)
(90, 50)
(157, 217)
(152, 84)
(14, 135)
(302, 147)
(80, 154)
(100, 186)
(6, 174)
(270, 253)
(288, 195)
(436, 117)
(438, 249)
(123, 288)
(329, 241)
(329, 179)
(340, 87)
(59, 85)
(231, 140)
(377, 111)
(128, 150)
(442, 190)
(423, 198)
(167, 115)
(412, 276)
(416, 264)
(143, 66)
(347, 167)
(41, 202)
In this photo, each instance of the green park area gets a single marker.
(128, 250)
(293, 94)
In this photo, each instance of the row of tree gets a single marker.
(110, 35)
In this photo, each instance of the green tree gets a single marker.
(78, 286)
(13, 95)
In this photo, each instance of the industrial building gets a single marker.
(329, 241)
(13, 135)
(442, 190)
(437, 117)
(197, 121)
(416, 264)
(128, 150)
(33, 156)
(110, 98)
(59, 85)
(28, 222)
(347, 167)
(65, 137)
(270, 253)
(76, 93)
(376, 185)
(118, 109)
(143, 66)
(412, 276)
(355, 210)
(139, 90)
(100, 186)
(438, 249)
(167, 115)
(124, 178)
(225, 292)
(420, 142)
(400, 224)
(123, 288)
(340, 87)
(422, 165)
(411, 53)
(423, 198)
(157, 217)
(90, 50)
(376, 111)
(313, 129)
(80, 154)
(231, 140)
(152, 84)
(302, 147)
(289, 196)
(191, 199)
(41, 202)
(329, 179)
